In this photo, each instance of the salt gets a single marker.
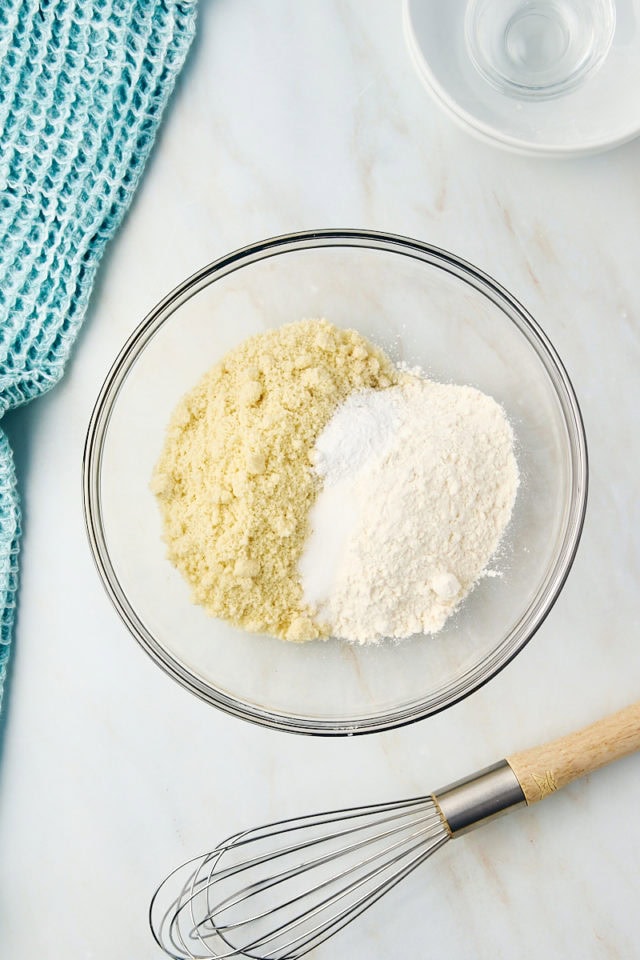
(357, 437)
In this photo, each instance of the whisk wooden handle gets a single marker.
(542, 770)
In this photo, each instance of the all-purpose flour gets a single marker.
(419, 483)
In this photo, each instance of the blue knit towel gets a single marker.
(83, 84)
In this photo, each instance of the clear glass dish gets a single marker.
(554, 78)
(422, 305)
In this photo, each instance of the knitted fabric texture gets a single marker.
(83, 84)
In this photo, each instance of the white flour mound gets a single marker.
(419, 483)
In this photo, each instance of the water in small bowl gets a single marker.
(538, 48)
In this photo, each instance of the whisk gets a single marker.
(275, 892)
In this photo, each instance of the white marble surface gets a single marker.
(288, 116)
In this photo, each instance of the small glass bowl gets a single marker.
(421, 305)
(544, 78)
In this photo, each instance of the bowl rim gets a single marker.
(540, 605)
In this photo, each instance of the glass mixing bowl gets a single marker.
(421, 305)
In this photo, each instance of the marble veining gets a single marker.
(292, 116)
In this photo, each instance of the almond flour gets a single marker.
(234, 482)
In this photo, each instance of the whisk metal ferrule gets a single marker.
(471, 802)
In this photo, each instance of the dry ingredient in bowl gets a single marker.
(308, 487)
(419, 483)
(234, 482)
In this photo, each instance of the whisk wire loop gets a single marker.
(431, 820)
(314, 936)
(331, 868)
